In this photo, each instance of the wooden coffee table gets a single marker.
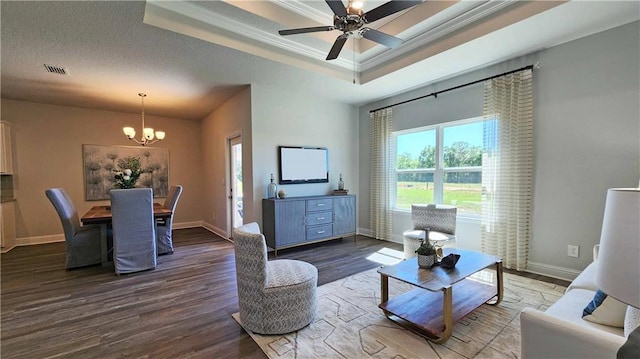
(443, 296)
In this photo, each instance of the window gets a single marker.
(440, 164)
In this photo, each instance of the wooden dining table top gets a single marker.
(102, 214)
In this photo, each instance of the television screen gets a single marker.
(303, 164)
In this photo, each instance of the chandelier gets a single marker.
(148, 134)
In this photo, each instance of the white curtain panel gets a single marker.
(507, 168)
(382, 172)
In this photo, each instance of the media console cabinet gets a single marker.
(296, 221)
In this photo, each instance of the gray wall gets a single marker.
(587, 139)
(282, 117)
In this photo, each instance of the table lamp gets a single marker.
(618, 270)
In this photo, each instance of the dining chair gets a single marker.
(274, 297)
(134, 235)
(82, 242)
(164, 226)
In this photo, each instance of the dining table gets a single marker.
(101, 215)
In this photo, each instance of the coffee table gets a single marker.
(443, 296)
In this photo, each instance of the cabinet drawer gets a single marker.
(314, 218)
(318, 232)
(323, 204)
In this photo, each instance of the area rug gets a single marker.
(350, 325)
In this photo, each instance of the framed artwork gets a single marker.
(101, 164)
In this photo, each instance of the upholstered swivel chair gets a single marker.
(164, 226)
(441, 221)
(134, 234)
(275, 297)
(82, 242)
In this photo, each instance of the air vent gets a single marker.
(56, 69)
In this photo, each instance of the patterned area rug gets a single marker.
(349, 323)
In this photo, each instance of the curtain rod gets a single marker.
(435, 94)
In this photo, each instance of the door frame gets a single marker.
(228, 180)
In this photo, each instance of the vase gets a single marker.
(272, 189)
(426, 261)
(341, 183)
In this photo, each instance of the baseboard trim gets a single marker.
(29, 241)
(184, 225)
(552, 271)
(215, 230)
(369, 233)
(55, 238)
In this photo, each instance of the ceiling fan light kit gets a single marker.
(351, 20)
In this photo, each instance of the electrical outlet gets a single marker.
(573, 251)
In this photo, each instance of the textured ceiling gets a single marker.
(190, 57)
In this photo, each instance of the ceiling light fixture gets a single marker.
(147, 132)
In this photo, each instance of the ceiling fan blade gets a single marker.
(305, 30)
(381, 37)
(337, 6)
(337, 47)
(387, 9)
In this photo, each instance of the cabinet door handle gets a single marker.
(320, 232)
(320, 205)
(319, 218)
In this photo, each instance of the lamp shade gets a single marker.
(129, 132)
(618, 268)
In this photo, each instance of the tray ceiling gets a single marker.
(191, 56)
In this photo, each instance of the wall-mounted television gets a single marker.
(299, 164)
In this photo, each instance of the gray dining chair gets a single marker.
(164, 226)
(134, 234)
(82, 242)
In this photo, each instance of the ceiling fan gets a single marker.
(351, 19)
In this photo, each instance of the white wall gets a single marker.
(231, 119)
(281, 117)
(586, 139)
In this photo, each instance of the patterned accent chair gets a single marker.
(441, 221)
(82, 242)
(275, 297)
(164, 226)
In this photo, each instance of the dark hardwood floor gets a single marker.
(182, 309)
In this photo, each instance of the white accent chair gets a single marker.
(82, 242)
(134, 235)
(274, 297)
(441, 221)
(164, 226)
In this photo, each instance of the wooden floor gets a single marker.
(182, 309)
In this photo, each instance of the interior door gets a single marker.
(235, 181)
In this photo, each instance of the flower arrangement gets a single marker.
(426, 249)
(128, 172)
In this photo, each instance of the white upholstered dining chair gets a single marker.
(134, 234)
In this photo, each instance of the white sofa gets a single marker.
(560, 331)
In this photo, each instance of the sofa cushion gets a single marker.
(631, 320)
(569, 307)
(605, 309)
(586, 279)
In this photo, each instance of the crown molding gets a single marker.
(227, 25)
(305, 10)
(427, 35)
